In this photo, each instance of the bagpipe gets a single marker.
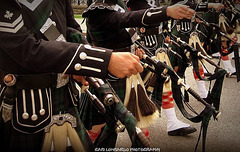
(196, 51)
(111, 108)
(235, 24)
(164, 71)
(226, 32)
(117, 117)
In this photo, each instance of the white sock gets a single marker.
(173, 123)
(217, 54)
(204, 69)
(202, 88)
(238, 36)
(232, 54)
(228, 66)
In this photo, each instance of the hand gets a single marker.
(198, 20)
(168, 40)
(81, 79)
(216, 6)
(139, 52)
(124, 64)
(179, 11)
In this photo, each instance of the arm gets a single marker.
(20, 52)
(216, 6)
(109, 19)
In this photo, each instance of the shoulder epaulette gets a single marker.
(10, 20)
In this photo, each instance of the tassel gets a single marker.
(194, 41)
(132, 104)
(148, 120)
(132, 99)
(47, 141)
(146, 106)
(59, 137)
(224, 26)
(76, 143)
(148, 110)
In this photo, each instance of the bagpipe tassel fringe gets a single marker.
(138, 103)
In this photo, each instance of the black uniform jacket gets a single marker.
(24, 51)
(107, 23)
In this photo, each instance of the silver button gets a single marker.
(34, 117)
(87, 46)
(83, 55)
(25, 115)
(149, 14)
(42, 112)
(77, 66)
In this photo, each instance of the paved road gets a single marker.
(222, 136)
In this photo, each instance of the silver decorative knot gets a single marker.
(61, 119)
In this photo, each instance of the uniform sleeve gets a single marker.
(107, 19)
(20, 52)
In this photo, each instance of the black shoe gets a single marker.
(229, 75)
(182, 131)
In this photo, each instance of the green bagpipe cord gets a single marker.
(213, 99)
(215, 94)
(157, 92)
